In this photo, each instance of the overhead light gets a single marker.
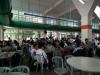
(83, 2)
(97, 11)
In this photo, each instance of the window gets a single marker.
(15, 11)
(35, 19)
(61, 22)
(21, 13)
(70, 23)
(95, 26)
(15, 17)
(75, 23)
(27, 18)
(40, 20)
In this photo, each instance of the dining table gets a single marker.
(85, 64)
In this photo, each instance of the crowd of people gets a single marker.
(49, 47)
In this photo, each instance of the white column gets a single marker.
(85, 10)
(1, 33)
(86, 28)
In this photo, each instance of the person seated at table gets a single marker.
(98, 51)
(8, 46)
(61, 44)
(9, 39)
(89, 47)
(16, 45)
(98, 47)
(49, 47)
(79, 51)
(25, 47)
(68, 42)
(57, 51)
(96, 42)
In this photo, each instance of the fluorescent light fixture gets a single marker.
(83, 2)
(97, 11)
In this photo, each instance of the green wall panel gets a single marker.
(22, 24)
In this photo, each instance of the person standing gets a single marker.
(77, 41)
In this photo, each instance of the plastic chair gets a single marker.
(23, 69)
(68, 56)
(57, 53)
(58, 65)
(65, 59)
(4, 69)
(66, 65)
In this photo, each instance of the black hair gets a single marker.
(86, 39)
(40, 44)
(35, 44)
(7, 43)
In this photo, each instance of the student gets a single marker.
(34, 49)
(41, 56)
(41, 52)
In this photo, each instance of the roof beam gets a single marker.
(66, 11)
(54, 6)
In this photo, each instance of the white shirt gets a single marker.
(65, 45)
(76, 49)
(41, 56)
(33, 50)
(96, 42)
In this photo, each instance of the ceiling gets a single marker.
(56, 8)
